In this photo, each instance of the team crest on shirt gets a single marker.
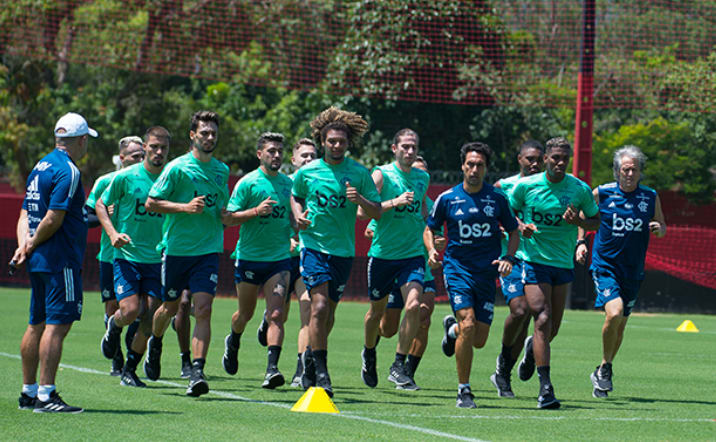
(564, 200)
(489, 211)
(344, 180)
(643, 206)
(217, 179)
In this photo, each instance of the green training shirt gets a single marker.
(128, 192)
(543, 203)
(323, 186)
(507, 185)
(263, 238)
(399, 231)
(106, 251)
(183, 179)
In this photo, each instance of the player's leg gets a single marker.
(420, 343)
(304, 308)
(466, 335)
(182, 326)
(106, 287)
(30, 344)
(409, 327)
(371, 334)
(559, 300)
(203, 302)
(247, 294)
(322, 311)
(275, 290)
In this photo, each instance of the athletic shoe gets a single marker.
(397, 374)
(111, 339)
(130, 379)
(262, 330)
(527, 365)
(185, 369)
(546, 399)
(368, 371)
(410, 386)
(323, 380)
(197, 384)
(26, 402)
(131, 331)
(117, 364)
(448, 342)
(599, 394)
(465, 398)
(230, 360)
(296, 379)
(55, 405)
(502, 379)
(273, 378)
(308, 377)
(602, 377)
(152, 363)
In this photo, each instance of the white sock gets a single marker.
(452, 331)
(30, 389)
(43, 394)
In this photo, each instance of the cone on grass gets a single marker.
(687, 327)
(315, 400)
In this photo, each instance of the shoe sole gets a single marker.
(408, 387)
(185, 376)
(599, 394)
(275, 381)
(101, 347)
(551, 405)
(501, 393)
(392, 379)
(445, 342)
(127, 384)
(473, 405)
(368, 382)
(226, 357)
(42, 410)
(198, 389)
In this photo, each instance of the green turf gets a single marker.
(665, 387)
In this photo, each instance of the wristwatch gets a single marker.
(581, 241)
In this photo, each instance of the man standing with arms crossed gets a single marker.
(396, 254)
(52, 236)
(261, 203)
(325, 198)
(192, 191)
(137, 262)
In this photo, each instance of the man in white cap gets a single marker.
(51, 236)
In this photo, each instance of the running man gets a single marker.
(325, 198)
(530, 159)
(137, 262)
(474, 211)
(192, 190)
(396, 255)
(130, 152)
(51, 239)
(630, 212)
(261, 203)
(553, 204)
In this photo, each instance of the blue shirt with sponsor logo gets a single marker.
(54, 184)
(473, 226)
(623, 236)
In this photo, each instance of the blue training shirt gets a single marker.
(54, 184)
(623, 236)
(473, 226)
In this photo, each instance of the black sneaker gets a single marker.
(410, 386)
(323, 380)
(185, 369)
(599, 394)
(397, 374)
(546, 399)
(308, 378)
(26, 402)
(230, 360)
(465, 398)
(197, 383)
(368, 370)
(117, 364)
(55, 405)
(273, 379)
(111, 339)
(130, 379)
(448, 342)
(527, 365)
(262, 330)
(502, 379)
(602, 377)
(152, 363)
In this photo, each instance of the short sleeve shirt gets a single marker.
(106, 254)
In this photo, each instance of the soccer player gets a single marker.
(51, 237)
(130, 152)
(474, 211)
(630, 212)
(261, 203)
(530, 159)
(553, 204)
(396, 254)
(192, 191)
(137, 263)
(325, 198)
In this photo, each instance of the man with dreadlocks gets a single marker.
(325, 199)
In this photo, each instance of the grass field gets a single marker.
(665, 387)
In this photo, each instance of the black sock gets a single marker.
(321, 357)
(399, 358)
(199, 363)
(369, 350)
(412, 362)
(274, 351)
(235, 339)
(133, 359)
(506, 355)
(157, 339)
(543, 373)
(186, 357)
(299, 364)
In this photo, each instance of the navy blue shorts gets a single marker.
(512, 286)
(295, 273)
(318, 268)
(135, 278)
(395, 299)
(106, 281)
(472, 290)
(608, 287)
(196, 273)
(56, 297)
(384, 274)
(533, 273)
(258, 272)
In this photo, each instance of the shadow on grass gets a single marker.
(662, 400)
(132, 412)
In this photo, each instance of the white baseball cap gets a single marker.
(73, 125)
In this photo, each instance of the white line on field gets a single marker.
(558, 418)
(280, 405)
(705, 332)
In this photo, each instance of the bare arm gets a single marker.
(20, 255)
(658, 223)
(241, 216)
(165, 206)
(300, 214)
(429, 243)
(582, 249)
(117, 239)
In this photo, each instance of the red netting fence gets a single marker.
(686, 252)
